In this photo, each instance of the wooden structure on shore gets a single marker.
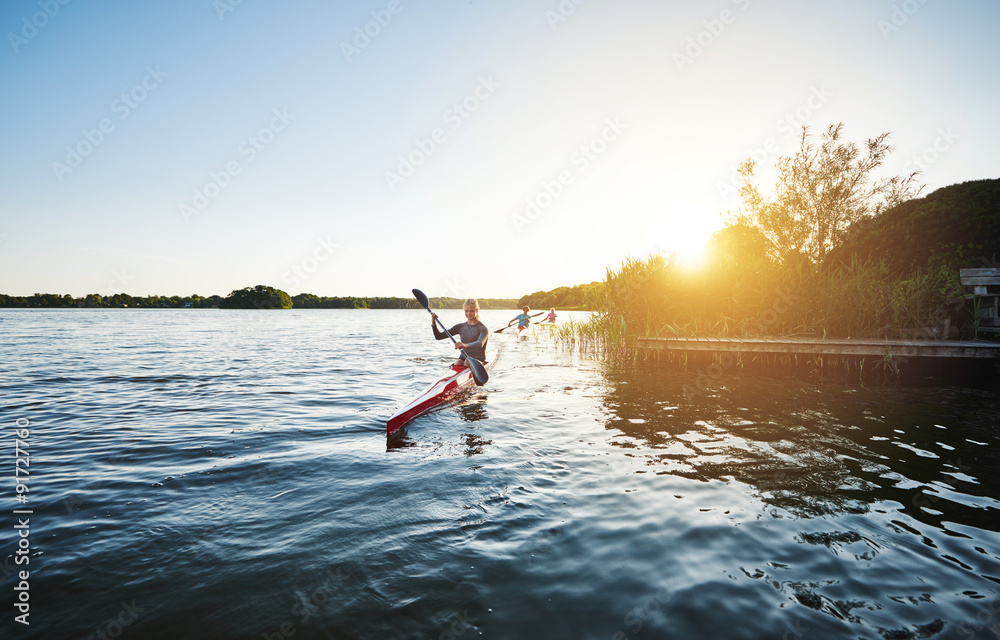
(856, 357)
(985, 285)
(887, 349)
(708, 359)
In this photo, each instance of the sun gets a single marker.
(693, 256)
(685, 236)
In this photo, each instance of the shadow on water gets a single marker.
(900, 484)
(471, 409)
(817, 450)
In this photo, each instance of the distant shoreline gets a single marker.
(301, 301)
(513, 307)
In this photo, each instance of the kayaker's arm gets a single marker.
(441, 335)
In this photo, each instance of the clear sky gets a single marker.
(474, 148)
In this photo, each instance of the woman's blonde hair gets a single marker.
(471, 302)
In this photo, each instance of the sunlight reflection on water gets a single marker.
(228, 471)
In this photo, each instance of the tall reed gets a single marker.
(746, 294)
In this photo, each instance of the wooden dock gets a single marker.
(829, 347)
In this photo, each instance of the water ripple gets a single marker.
(228, 473)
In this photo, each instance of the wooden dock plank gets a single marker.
(989, 272)
(830, 346)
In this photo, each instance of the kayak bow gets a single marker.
(456, 383)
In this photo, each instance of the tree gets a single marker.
(738, 246)
(259, 297)
(954, 227)
(119, 300)
(821, 192)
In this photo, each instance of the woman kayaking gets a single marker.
(472, 334)
(551, 317)
(523, 319)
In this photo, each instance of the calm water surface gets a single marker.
(225, 474)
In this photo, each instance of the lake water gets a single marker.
(225, 474)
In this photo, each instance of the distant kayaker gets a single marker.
(472, 335)
(552, 315)
(522, 320)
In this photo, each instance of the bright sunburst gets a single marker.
(686, 235)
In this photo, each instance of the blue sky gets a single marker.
(474, 148)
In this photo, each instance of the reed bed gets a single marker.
(752, 296)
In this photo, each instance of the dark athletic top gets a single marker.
(475, 336)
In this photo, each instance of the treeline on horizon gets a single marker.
(301, 301)
(582, 297)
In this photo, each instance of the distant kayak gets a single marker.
(456, 382)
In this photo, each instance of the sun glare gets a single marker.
(693, 255)
(686, 236)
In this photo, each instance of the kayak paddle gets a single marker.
(479, 372)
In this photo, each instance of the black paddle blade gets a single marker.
(422, 299)
(479, 372)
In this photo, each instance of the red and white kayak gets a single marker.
(457, 382)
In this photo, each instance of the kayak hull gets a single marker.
(455, 383)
